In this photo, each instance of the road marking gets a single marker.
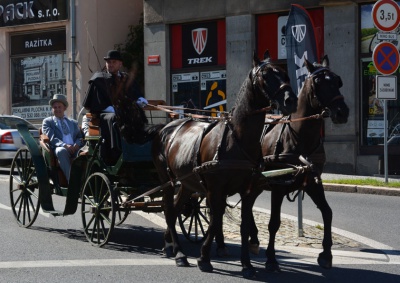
(340, 258)
(41, 212)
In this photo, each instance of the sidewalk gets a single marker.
(360, 189)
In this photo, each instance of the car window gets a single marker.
(11, 123)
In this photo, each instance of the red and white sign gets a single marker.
(153, 59)
(386, 15)
(386, 58)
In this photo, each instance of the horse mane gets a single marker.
(130, 117)
(243, 102)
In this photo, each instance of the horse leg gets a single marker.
(254, 243)
(274, 223)
(317, 194)
(222, 250)
(171, 215)
(247, 225)
(217, 209)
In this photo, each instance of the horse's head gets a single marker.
(324, 86)
(273, 82)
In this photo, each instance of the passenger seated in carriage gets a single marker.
(64, 135)
(115, 98)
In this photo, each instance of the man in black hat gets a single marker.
(64, 134)
(113, 95)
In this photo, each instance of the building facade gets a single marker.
(205, 51)
(49, 47)
(197, 54)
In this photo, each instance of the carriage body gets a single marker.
(105, 193)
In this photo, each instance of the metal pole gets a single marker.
(385, 134)
(73, 55)
(300, 213)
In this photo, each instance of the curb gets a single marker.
(362, 189)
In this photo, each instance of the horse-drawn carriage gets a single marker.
(193, 158)
(106, 193)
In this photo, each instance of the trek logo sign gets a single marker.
(13, 13)
(300, 45)
(199, 47)
(199, 39)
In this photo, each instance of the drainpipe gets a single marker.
(73, 55)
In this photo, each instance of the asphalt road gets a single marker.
(55, 249)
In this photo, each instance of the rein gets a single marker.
(323, 115)
(199, 116)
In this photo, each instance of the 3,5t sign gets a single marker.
(386, 15)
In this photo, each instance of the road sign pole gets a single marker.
(385, 145)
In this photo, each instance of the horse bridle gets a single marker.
(315, 74)
(255, 78)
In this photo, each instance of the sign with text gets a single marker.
(386, 15)
(386, 87)
(32, 112)
(14, 13)
(38, 42)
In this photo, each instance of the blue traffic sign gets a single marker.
(386, 58)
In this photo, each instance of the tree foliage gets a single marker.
(132, 52)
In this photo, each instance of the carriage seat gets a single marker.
(93, 125)
(51, 158)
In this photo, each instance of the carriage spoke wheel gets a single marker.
(98, 209)
(24, 189)
(194, 219)
(122, 213)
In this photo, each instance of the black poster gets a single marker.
(199, 44)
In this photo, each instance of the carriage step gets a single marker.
(54, 212)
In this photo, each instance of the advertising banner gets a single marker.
(300, 45)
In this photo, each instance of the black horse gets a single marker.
(220, 158)
(300, 137)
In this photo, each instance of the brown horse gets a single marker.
(284, 143)
(220, 158)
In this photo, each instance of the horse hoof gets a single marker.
(222, 252)
(254, 249)
(181, 260)
(204, 266)
(272, 267)
(325, 260)
(168, 251)
(249, 272)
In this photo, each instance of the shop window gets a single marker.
(371, 108)
(33, 84)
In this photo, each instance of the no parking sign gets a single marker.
(386, 58)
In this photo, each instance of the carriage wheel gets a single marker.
(24, 189)
(98, 209)
(122, 213)
(193, 219)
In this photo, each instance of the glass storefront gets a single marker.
(38, 71)
(372, 109)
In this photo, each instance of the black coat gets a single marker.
(103, 91)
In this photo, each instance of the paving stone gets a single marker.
(287, 234)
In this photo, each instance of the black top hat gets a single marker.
(113, 55)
